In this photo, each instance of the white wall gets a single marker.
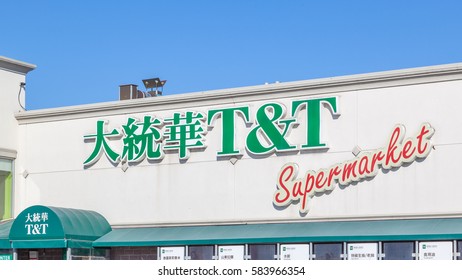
(207, 189)
(9, 105)
(12, 74)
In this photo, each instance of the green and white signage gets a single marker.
(152, 137)
(231, 253)
(38, 222)
(294, 252)
(436, 250)
(6, 257)
(172, 253)
(363, 251)
(267, 129)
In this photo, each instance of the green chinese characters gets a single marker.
(267, 132)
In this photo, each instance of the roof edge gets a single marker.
(17, 66)
(428, 74)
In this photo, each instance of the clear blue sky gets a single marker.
(85, 49)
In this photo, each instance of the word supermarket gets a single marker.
(291, 189)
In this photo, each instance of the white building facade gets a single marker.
(12, 81)
(354, 167)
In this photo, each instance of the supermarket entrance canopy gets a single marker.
(53, 227)
(4, 234)
(296, 232)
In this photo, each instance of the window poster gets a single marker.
(231, 252)
(295, 252)
(435, 250)
(363, 251)
(172, 253)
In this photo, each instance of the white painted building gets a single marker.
(354, 167)
(12, 97)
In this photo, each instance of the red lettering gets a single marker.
(376, 158)
(407, 151)
(297, 189)
(291, 189)
(392, 146)
(420, 138)
(305, 199)
(362, 169)
(282, 189)
(309, 182)
(333, 172)
(320, 180)
(348, 170)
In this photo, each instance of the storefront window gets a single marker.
(328, 251)
(89, 254)
(262, 252)
(201, 252)
(42, 254)
(6, 186)
(80, 253)
(100, 254)
(398, 250)
(129, 253)
(459, 249)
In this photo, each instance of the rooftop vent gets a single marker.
(154, 87)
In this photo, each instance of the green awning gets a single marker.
(53, 227)
(296, 232)
(4, 234)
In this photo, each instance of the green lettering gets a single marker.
(228, 131)
(313, 118)
(270, 122)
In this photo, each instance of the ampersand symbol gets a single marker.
(36, 229)
(272, 128)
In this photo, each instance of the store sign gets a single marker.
(295, 252)
(172, 253)
(399, 150)
(183, 132)
(435, 250)
(363, 251)
(36, 223)
(231, 253)
(6, 257)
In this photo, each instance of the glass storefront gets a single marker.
(262, 251)
(89, 254)
(398, 250)
(201, 252)
(389, 250)
(42, 254)
(459, 246)
(328, 251)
